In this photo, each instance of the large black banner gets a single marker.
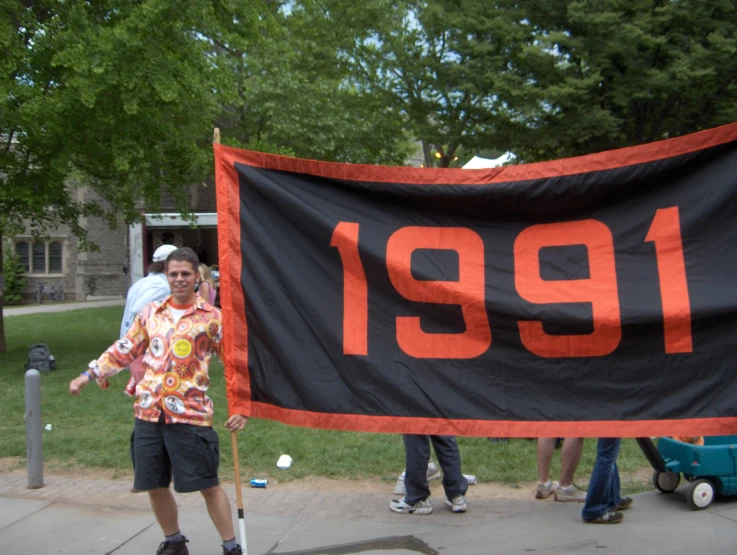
(594, 296)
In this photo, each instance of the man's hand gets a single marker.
(77, 384)
(236, 422)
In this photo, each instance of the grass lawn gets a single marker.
(93, 430)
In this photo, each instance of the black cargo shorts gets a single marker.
(190, 454)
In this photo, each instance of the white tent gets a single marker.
(478, 163)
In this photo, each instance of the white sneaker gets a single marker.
(458, 505)
(433, 472)
(545, 489)
(570, 494)
(399, 488)
(423, 507)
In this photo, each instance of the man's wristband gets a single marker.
(88, 373)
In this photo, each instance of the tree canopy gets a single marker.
(542, 78)
(122, 96)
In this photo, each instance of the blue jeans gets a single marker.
(603, 495)
(417, 452)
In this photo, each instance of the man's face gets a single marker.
(182, 278)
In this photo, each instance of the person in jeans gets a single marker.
(603, 500)
(433, 473)
(173, 435)
(417, 497)
(570, 455)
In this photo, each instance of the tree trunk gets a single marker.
(3, 344)
(427, 154)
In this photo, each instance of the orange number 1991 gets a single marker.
(468, 292)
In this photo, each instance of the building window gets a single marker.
(40, 258)
(55, 257)
(21, 249)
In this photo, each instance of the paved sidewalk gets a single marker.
(80, 516)
(61, 307)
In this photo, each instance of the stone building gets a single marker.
(124, 252)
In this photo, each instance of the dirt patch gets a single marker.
(17, 465)
(310, 483)
(632, 482)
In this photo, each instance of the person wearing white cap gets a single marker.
(154, 287)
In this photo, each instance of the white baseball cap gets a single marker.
(163, 252)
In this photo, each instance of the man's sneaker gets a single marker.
(433, 472)
(624, 504)
(173, 548)
(423, 507)
(130, 389)
(570, 494)
(235, 551)
(545, 489)
(458, 505)
(399, 488)
(607, 518)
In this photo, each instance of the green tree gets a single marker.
(431, 62)
(543, 78)
(297, 98)
(14, 280)
(615, 73)
(115, 96)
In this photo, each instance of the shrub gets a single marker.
(14, 280)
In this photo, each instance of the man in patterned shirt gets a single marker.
(173, 434)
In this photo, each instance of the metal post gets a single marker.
(34, 444)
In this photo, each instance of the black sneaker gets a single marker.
(235, 551)
(173, 548)
(611, 517)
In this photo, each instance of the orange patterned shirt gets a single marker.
(176, 360)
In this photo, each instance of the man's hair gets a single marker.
(185, 254)
(156, 267)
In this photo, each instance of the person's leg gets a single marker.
(165, 509)
(152, 473)
(545, 486)
(599, 496)
(195, 457)
(570, 456)
(545, 448)
(449, 458)
(220, 512)
(416, 452)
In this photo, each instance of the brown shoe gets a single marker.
(607, 518)
(624, 504)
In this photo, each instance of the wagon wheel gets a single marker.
(62, 296)
(666, 482)
(700, 494)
